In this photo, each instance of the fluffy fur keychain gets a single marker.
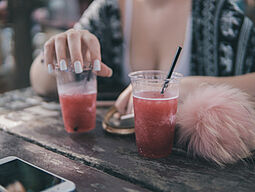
(217, 123)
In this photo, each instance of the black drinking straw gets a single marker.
(89, 72)
(171, 69)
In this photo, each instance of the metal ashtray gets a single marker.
(116, 124)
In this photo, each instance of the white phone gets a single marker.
(15, 171)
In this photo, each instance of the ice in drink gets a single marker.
(78, 111)
(154, 123)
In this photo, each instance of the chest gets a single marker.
(155, 35)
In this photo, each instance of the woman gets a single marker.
(218, 41)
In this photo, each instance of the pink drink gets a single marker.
(154, 123)
(79, 112)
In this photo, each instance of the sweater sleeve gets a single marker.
(249, 60)
(223, 39)
(102, 18)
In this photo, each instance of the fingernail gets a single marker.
(110, 73)
(77, 67)
(62, 64)
(50, 68)
(97, 65)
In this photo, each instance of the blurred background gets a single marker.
(24, 27)
(26, 24)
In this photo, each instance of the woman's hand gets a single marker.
(77, 47)
(124, 103)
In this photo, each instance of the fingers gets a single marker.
(61, 51)
(83, 49)
(49, 54)
(123, 100)
(74, 45)
(92, 44)
(130, 108)
(93, 47)
(85, 55)
(105, 71)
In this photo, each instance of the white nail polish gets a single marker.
(50, 68)
(97, 65)
(62, 64)
(77, 67)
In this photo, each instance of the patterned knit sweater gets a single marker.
(223, 39)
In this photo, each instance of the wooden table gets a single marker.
(32, 129)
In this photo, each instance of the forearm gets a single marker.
(42, 82)
(245, 83)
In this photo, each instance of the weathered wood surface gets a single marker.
(38, 122)
(85, 178)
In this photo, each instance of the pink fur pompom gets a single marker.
(217, 123)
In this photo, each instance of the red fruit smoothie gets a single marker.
(79, 112)
(154, 123)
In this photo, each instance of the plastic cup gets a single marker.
(77, 95)
(155, 113)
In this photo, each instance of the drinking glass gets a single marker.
(77, 95)
(155, 113)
